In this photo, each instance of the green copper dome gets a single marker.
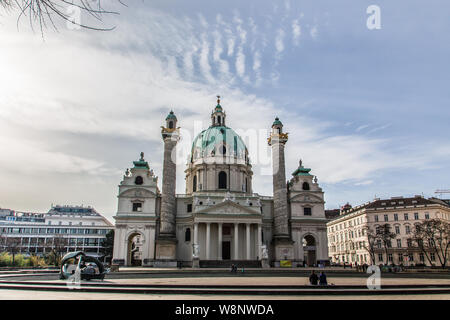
(209, 142)
(277, 122)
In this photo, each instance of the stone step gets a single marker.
(227, 264)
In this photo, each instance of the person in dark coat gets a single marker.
(313, 278)
(323, 279)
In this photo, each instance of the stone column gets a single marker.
(208, 239)
(259, 243)
(282, 239)
(279, 190)
(166, 244)
(219, 236)
(196, 233)
(236, 243)
(168, 188)
(247, 238)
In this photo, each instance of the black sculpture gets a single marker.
(89, 267)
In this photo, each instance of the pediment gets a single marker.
(227, 207)
(306, 197)
(137, 193)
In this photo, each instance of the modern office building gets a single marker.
(75, 227)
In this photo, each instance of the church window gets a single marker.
(189, 207)
(137, 207)
(194, 184)
(138, 180)
(219, 120)
(305, 186)
(223, 150)
(307, 211)
(187, 235)
(170, 124)
(222, 180)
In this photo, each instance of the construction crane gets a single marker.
(442, 191)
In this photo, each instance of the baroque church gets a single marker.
(219, 220)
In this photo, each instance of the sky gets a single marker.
(366, 109)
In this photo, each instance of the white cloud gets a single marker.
(240, 62)
(296, 32)
(279, 41)
(314, 32)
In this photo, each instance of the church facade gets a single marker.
(219, 220)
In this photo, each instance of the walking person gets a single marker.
(313, 278)
(323, 279)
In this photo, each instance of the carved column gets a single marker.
(219, 236)
(247, 238)
(236, 241)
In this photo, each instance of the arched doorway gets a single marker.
(134, 249)
(309, 250)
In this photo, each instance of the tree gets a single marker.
(384, 234)
(58, 248)
(108, 245)
(371, 243)
(12, 246)
(432, 236)
(2, 240)
(43, 12)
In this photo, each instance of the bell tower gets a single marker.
(218, 115)
(283, 244)
(166, 242)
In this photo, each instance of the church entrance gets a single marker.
(309, 249)
(134, 250)
(226, 250)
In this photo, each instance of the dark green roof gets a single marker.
(302, 171)
(277, 122)
(141, 164)
(171, 115)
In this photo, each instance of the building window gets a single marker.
(409, 242)
(137, 207)
(138, 180)
(189, 207)
(390, 257)
(432, 256)
(386, 218)
(170, 124)
(194, 184)
(397, 229)
(376, 218)
(380, 257)
(408, 229)
(222, 180)
(416, 216)
(223, 150)
(427, 216)
(305, 186)
(395, 217)
(307, 211)
(187, 235)
(379, 244)
(399, 243)
(400, 257)
(411, 257)
(406, 216)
